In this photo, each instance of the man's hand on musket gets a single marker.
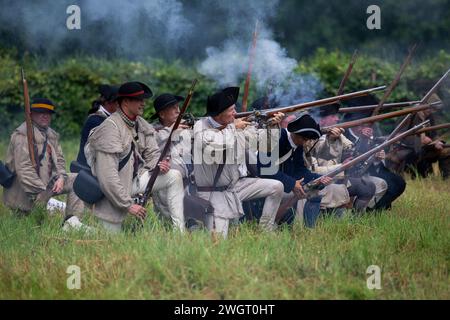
(335, 133)
(325, 180)
(298, 189)
(164, 166)
(439, 145)
(183, 126)
(137, 211)
(425, 140)
(58, 186)
(276, 119)
(241, 123)
(347, 160)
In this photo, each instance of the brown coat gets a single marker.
(27, 183)
(107, 145)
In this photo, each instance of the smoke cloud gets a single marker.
(216, 34)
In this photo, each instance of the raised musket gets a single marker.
(315, 184)
(380, 117)
(29, 124)
(151, 182)
(435, 87)
(348, 72)
(396, 80)
(266, 114)
(249, 72)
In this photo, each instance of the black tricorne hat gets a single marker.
(359, 102)
(42, 105)
(164, 101)
(108, 92)
(329, 109)
(305, 126)
(221, 101)
(135, 90)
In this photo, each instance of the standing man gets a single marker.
(221, 174)
(126, 137)
(31, 186)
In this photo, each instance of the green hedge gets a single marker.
(72, 83)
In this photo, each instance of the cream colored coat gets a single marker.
(325, 156)
(107, 145)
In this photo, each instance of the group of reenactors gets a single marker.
(119, 149)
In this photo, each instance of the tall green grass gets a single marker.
(410, 244)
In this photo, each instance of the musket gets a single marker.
(367, 163)
(151, 182)
(354, 123)
(373, 106)
(29, 125)
(266, 114)
(315, 184)
(433, 128)
(432, 90)
(396, 80)
(249, 72)
(348, 72)
(395, 104)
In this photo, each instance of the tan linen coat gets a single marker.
(27, 183)
(107, 145)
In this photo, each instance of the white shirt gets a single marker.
(102, 109)
(293, 145)
(243, 171)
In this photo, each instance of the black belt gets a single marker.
(212, 189)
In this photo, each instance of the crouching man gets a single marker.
(222, 177)
(122, 152)
(30, 186)
(293, 173)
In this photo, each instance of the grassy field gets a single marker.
(411, 245)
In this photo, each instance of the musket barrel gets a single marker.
(373, 106)
(432, 90)
(354, 123)
(308, 187)
(29, 125)
(396, 80)
(433, 128)
(315, 103)
(369, 153)
(348, 72)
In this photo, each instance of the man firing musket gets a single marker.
(311, 188)
(262, 116)
(412, 152)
